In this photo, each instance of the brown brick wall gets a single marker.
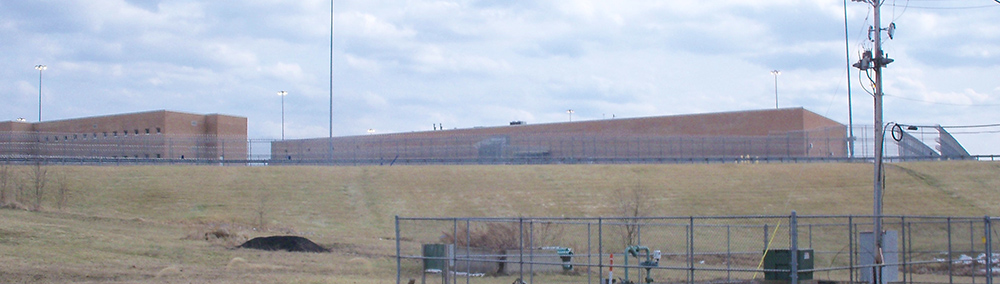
(154, 134)
(793, 132)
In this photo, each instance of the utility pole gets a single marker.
(876, 61)
(850, 107)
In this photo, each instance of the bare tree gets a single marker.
(62, 191)
(633, 204)
(5, 184)
(38, 178)
(260, 208)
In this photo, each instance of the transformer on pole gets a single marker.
(875, 60)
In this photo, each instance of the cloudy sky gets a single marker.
(404, 66)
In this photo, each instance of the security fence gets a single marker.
(154, 148)
(732, 249)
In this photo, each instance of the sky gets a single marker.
(402, 66)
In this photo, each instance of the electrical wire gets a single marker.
(973, 126)
(951, 8)
(940, 103)
(907, 5)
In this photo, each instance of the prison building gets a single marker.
(774, 133)
(145, 135)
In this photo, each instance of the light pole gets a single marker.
(282, 94)
(775, 72)
(40, 68)
(570, 112)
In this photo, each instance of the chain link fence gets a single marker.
(733, 249)
(143, 148)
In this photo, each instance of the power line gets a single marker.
(945, 8)
(940, 103)
(973, 126)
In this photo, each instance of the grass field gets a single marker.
(148, 224)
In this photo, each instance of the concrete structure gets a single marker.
(788, 132)
(146, 135)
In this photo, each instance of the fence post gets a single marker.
(531, 250)
(600, 248)
(520, 237)
(765, 236)
(951, 262)
(452, 263)
(468, 251)
(399, 265)
(793, 229)
(989, 250)
(589, 253)
(850, 247)
(690, 251)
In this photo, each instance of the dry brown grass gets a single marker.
(150, 223)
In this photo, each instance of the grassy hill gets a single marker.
(148, 223)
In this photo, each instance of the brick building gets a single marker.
(774, 133)
(145, 135)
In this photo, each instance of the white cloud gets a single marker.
(403, 66)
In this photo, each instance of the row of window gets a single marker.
(136, 156)
(66, 137)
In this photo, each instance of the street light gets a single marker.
(40, 68)
(775, 73)
(282, 94)
(570, 112)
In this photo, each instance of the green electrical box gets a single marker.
(780, 259)
(436, 256)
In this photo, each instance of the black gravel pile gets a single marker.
(286, 243)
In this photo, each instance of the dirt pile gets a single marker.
(286, 243)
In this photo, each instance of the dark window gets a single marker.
(74, 136)
(147, 131)
(157, 156)
(137, 132)
(115, 133)
(46, 139)
(85, 136)
(157, 130)
(105, 134)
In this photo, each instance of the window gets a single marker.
(125, 132)
(85, 136)
(105, 134)
(157, 130)
(157, 156)
(46, 139)
(74, 136)
(115, 133)
(137, 132)
(194, 123)
(147, 131)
